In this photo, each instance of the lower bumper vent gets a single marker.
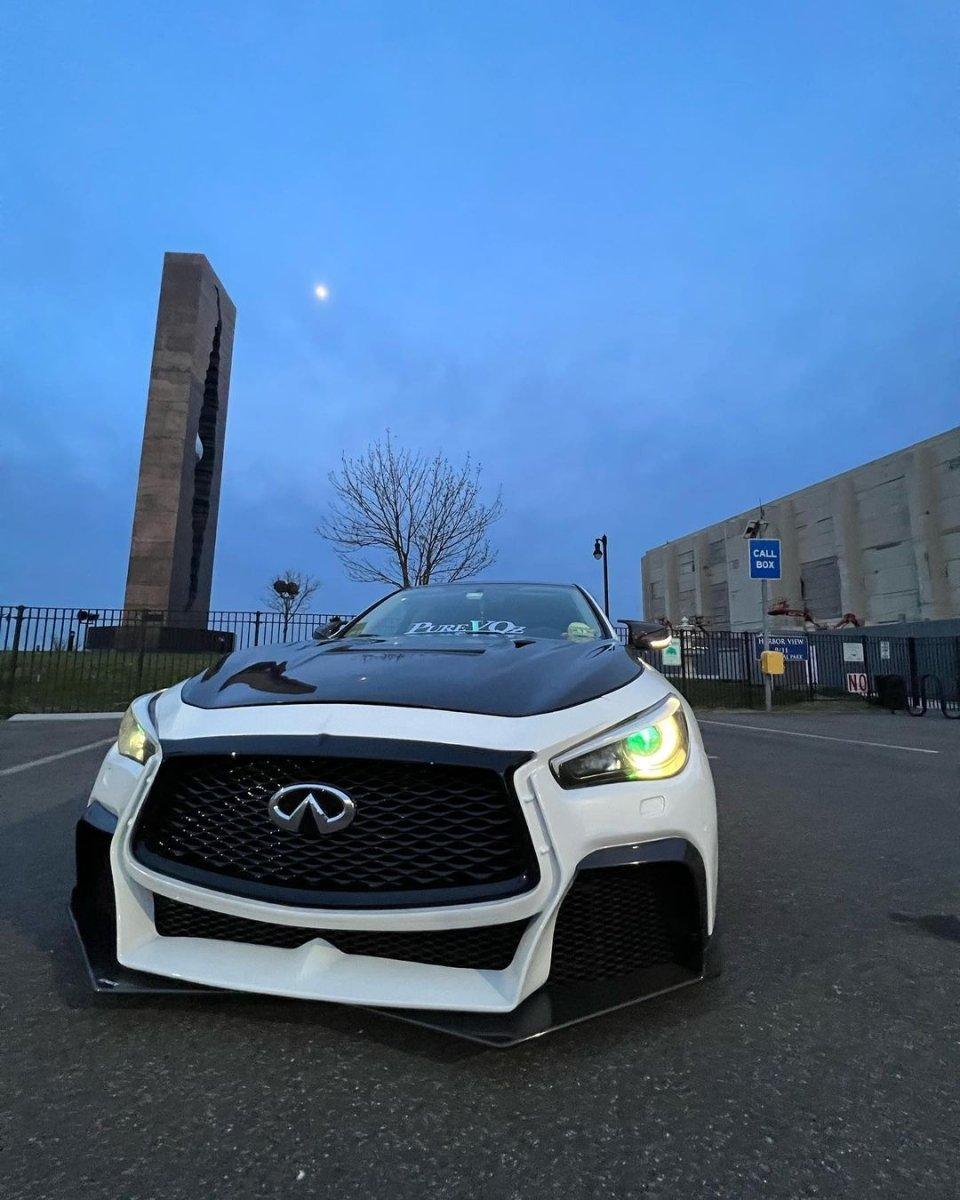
(618, 920)
(486, 948)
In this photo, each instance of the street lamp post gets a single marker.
(600, 552)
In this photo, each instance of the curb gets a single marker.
(91, 716)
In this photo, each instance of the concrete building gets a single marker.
(881, 541)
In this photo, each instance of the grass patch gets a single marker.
(48, 681)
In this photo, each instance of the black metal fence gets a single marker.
(93, 660)
(96, 660)
(723, 669)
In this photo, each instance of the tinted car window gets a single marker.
(531, 610)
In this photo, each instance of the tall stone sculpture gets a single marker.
(178, 494)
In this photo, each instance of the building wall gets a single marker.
(881, 541)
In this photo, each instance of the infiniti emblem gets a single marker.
(303, 805)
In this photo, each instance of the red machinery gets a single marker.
(781, 608)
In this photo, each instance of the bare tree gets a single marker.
(288, 593)
(405, 519)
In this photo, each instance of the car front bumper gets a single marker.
(606, 828)
(550, 1007)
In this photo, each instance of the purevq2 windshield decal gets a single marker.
(507, 627)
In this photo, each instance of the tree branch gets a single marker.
(403, 519)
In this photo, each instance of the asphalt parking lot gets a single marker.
(824, 1062)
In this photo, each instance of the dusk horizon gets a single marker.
(647, 268)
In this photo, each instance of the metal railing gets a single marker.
(96, 659)
(718, 668)
(93, 660)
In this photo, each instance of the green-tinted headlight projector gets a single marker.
(644, 742)
(652, 745)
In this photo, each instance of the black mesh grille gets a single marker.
(424, 833)
(488, 948)
(618, 920)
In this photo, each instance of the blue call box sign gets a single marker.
(764, 558)
(793, 646)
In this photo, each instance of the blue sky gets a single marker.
(646, 262)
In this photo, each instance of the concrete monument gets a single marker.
(175, 520)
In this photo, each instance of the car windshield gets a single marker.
(511, 609)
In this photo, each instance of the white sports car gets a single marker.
(471, 807)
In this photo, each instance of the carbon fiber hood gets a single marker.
(492, 675)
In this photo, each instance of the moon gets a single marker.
(321, 291)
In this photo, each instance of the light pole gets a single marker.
(756, 529)
(85, 616)
(600, 553)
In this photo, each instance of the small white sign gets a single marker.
(672, 655)
(853, 651)
(857, 683)
(884, 649)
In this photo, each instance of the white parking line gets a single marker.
(823, 737)
(39, 762)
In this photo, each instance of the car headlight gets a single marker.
(654, 744)
(133, 741)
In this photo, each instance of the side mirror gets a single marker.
(647, 635)
(332, 627)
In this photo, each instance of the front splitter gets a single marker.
(98, 945)
(554, 1006)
